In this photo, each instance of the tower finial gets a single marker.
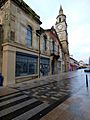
(61, 10)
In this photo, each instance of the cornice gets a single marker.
(25, 8)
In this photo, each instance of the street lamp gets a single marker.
(38, 34)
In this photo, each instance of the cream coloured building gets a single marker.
(18, 41)
(26, 50)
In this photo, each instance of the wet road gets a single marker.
(32, 101)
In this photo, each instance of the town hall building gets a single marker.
(28, 51)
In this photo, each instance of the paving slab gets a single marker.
(7, 90)
(76, 107)
(66, 96)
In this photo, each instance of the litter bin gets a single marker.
(1, 80)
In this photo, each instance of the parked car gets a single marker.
(87, 70)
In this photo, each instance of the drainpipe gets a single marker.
(39, 56)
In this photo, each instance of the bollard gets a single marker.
(86, 81)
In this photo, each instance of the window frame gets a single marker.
(45, 42)
(29, 36)
(27, 60)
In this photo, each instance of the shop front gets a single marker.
(26, 65)
(44, 66)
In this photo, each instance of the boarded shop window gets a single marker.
(26, 64)
(44, 66)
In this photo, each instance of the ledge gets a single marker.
(20, 46)
(28, 10)
(24, 7)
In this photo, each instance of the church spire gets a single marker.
(61, 10)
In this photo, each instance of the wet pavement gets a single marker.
(34, 99)
(76, 107)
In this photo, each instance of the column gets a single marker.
(8, 66)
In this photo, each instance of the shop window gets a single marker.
(26, 65)
(44, 66)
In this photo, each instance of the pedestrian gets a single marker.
(1, 80)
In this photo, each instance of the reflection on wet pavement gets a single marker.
(32, 100)
(54, 91)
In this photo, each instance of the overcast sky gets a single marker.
(78, 20)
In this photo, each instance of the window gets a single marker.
(26, 64)
(45, 43)
(44, 65)
(1, 34)
(59, 19)
(12, 35)
(53, 45)
(29, 36)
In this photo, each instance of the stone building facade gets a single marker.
(19, 45)
(50, 52)
(55, 50)
(26, 50)
(74, 64)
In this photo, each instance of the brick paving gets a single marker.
(76, 107)
(57, 97)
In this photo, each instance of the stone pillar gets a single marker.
(8, 66)
(39, 67)
(0, 60)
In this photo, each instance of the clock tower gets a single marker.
(61, 29)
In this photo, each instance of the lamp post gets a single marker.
(38, 34)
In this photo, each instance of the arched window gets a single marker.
(59, 19)
(45, 42)
(53, 46)
(29, 36)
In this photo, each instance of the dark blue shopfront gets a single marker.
(44, 66)
(26, 64)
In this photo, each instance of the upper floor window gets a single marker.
(53, 45)
(59, 19)
(12, 35)
(29, 36)
(45, 42)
